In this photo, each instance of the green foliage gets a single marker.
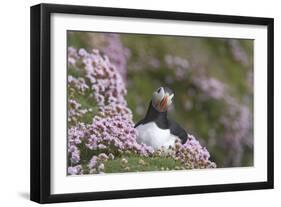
(135, 164)
(139, 164)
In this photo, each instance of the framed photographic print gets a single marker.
(132, 103)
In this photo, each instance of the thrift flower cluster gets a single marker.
(211, 87)
(238, 53)
(238, 132)
(236, 119)
(191, 154)
(117, 53)
(111, 133)
(179, 65)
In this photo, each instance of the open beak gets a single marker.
(163, 103)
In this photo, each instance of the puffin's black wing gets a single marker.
(178, 131)
(139, 123)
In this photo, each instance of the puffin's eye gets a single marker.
(159, 89)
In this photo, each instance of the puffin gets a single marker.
(156, 129)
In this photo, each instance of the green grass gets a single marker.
(134, 165)
(140, 164)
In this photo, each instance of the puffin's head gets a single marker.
(162, 99)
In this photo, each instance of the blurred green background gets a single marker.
(211, 77)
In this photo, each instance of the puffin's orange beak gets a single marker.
(163, 103)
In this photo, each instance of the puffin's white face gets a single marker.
(162, 99)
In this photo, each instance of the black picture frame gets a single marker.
(41, 99)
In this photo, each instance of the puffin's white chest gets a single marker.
(151, 135)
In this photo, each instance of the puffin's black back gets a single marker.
(162, 121)
(178, 131)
